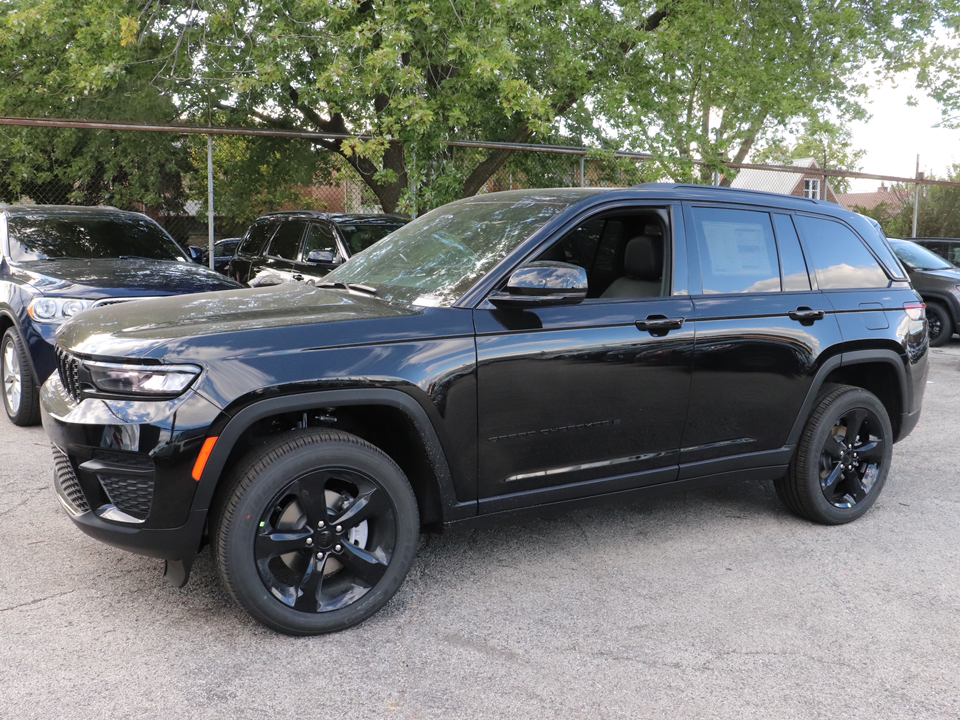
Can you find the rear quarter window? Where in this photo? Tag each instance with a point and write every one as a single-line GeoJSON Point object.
{"type": "Point", "coordinates": [840, 258]}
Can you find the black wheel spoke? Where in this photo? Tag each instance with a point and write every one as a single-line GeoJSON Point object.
{"type": "Point", "coordinates": [270, 544]}
{"type": "Point", "coordinates": [829, 483]}
{"type": "Point", "coordinates": [368, 567]}
{"type": "Point", "coordinates": [854, 422]}
{"type": "Point", "coordinates": [308, 599]}
{"type": "Point", "coordinates": [309, 493]}
{"type": "Point", "coordinates": [834, 446]}
{"type": "Point", "coordinates": [871, 451]}
{"type": "Point", "coordinates": [371, 502]}
{"type": "Point", "coordinates": [854, 486]}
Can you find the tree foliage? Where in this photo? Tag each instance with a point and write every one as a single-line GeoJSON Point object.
{"type": "Point", "coordinates": [678, 78]}
{"type": "Point", "coordinates": [829, 144]}
{"type": "Point", "coordinates": [938, 212]}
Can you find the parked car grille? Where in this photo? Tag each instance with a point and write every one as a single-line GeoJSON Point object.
{"type": "Point", "coordinates": [116, 300]}
{"type": "Point", "coordinates": [67, 485]}
{"type": "Point", "coordinates": [69, 369]}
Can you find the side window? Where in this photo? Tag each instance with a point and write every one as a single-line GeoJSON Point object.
{"type": "Point", "coordinates": [841, 259]}
{"type": "Point", "coordinates": [256, 238]}
{"type": "Point", "coordinates": [738, 252]}
{"type": "Point", "coordinates": [286, 242]}
{"type": "Point", "coordinates": [793, 268]}
{"type": "Point", "coordinates": [319, 237]}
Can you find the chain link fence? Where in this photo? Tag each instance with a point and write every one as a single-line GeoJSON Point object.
{"type": "Point", "coordinates": [164, 172]}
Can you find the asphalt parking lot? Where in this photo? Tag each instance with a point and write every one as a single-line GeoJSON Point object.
{"type": "Point", "coordinates": [709, 604]}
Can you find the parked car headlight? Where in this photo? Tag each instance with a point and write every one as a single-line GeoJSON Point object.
{"type": "Point", "coordinates": [56, 309]}
{"type": "Point", "coordinates": [115, 378]}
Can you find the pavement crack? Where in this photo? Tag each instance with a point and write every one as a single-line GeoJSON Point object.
{"type": "Point", "coordinates": [37, 601]}
{"type": "Point", "coordinates": [23, 502]}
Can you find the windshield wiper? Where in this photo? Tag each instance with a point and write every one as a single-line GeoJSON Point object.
{"type": "Point", "coordinates": [356, 287]}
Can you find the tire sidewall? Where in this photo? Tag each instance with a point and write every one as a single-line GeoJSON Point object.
{"type": "Point", "coordinates": [25, 414]}
{"type": "Point", "coordinates": [235, 537]}
{"type": "Point", "coordinates": [946, 325]}
{"type": "Point", "coordinates": [851, 399]}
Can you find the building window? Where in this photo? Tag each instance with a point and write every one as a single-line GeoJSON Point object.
{"type": "Point", "coordinates": [811, 188]}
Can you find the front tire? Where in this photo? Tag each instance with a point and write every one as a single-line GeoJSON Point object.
{"type": "Point", "coordinates": [940, 326]}
{"type": "Point", "coordinates": [316, 532]}
{"type": "Point", "coordinates": [21, 398]}
{"type": "Point", "coordinates": [842, 460]}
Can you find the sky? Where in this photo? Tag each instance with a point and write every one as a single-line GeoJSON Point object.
{"type": "Point", "coordinates": [896, 133]}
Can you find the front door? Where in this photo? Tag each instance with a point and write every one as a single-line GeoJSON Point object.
{"type": "Point", "coordinates": [590, 398]}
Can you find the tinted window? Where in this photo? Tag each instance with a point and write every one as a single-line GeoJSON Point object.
{"type": "Point", "coordinates": [36, 237]}
{"type": "Point", "coordinates": [841, 259]}
{"type": "Point", "coordinates": [360, 237]}
{"type": "Point", "coordinates": [224, 249]}
{"type": "Point", "coordinates": [319, 237]}
{"type": "Point", "coordinates": [256, 237]}
{"type": "Point", "coordinates": [793, 268]}
{"type": "Point", "coordinates": [286, 241]}
{"type": "Point", "coordinates": [738, 252]}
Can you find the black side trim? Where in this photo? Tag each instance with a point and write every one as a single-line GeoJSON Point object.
{"type": "Point", "coordinates": [450, 507]}
{"type": "Point", "coordinates": [577, 504]}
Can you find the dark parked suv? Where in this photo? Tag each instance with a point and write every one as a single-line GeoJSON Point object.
{"type": "Point", "coordinates": [938, 282]}
{"type": "Point", "coordinates": [58, 261]}
{"type": "Point", "coordinates": [304, 245]}
{"type": "Point", "coordinates": [511, 353]}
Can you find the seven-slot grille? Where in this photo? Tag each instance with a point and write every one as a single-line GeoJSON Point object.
{"type": "Point", "coordinates": [69, 369]}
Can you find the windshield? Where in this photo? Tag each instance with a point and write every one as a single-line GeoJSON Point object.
{"type": "Point", "coordinates": [920, 258]}
{"type": "Point", "coordinates": [39, 237]}
{"type": "Point", "coordinates": [360, 237]}
{"type": "Point", "coordinates": [439, 256]}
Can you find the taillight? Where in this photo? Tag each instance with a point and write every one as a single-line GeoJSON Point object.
{"type": "Point", "coordinates": [915, 310]}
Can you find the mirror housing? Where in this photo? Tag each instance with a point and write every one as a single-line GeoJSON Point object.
{"type": "Point", "coordinates": [196, 253]}
{"type": "Point", "coordinates": [322, 257]}
{"type": "Point", "coordinates": [542, 284]}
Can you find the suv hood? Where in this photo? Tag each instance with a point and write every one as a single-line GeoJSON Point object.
{"type": "Point", "coordinates": [104, 277]}
{"type": "Point", "coordinates": [203, 320]}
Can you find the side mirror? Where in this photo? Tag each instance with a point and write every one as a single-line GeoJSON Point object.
{"type": "Point", "coordinates": [196, 253]}
{"type": "Point", "coordinates": [541, 284]}
{"type": "Point", "coordinates": [322, 257]}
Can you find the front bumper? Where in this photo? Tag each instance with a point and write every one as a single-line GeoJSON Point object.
{"type": "Point", "coordinates": [123, 468]}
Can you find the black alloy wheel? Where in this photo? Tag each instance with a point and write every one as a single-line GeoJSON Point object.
{"type": "Point", "coordinates": [21, 396]}
{"type": "Point", "coordinates": [842, 461]}
{"type": "Point", "coordinates": [318, 532]}
{"type": "Point", "coordinates": [939, 325]}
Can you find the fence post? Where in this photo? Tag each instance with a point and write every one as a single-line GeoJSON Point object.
{"type": "Point", "coordinates": [583, 180]}
{"type": "Point", "coordinates": [916, 196]}
{"type": "Point", "coordinates": [210, 200]}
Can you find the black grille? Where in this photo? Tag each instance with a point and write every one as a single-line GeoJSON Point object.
{"type": "Point", "coordinates": [68, 487]}
{"type": "Point", "coordinates": [132, 495]}
{"type": "Point", "coordinates": [69, 369]}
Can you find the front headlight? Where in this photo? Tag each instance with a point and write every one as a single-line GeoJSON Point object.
{"type": "Point", "coordinates": [56, 309]}
{"type": "Point", "coordinates": [118, 379]}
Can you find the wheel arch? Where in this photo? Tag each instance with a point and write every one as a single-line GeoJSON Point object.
{"type": "Point", "coordinates": [879, 371]}
{"type": "Point", "coordinates": [412, 442]}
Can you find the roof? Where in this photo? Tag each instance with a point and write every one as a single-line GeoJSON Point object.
{"type": "Point", "coordinates": [64, 210]}
{"type": "Point", "coordinates": [773, 181]}
{"type": "Point", "coordinates": [870, 201]}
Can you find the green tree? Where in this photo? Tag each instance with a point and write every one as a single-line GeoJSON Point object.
{"type": "Point", "coordinates": [829, 144]}
{"type": "Point", "coordinates": [938, 213]}
{"type": "Point", "coordinates": [673, 77]}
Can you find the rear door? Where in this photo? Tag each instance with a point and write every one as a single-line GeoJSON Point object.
{"type": "Point", "coordinates": [760, 325]}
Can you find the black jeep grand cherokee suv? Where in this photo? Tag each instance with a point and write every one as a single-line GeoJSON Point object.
{"type": "Point", "coordinates": [513, 352]}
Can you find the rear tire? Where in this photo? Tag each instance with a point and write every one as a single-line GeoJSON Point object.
{"type": "Point", "coordinates": [315, 532]}
{"type": "Point", "coordinates": [940, 326]}
{"type": "Point", "coordinates": [21, 397]}
{"type": "Point", "coordinates": [842, 460]}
